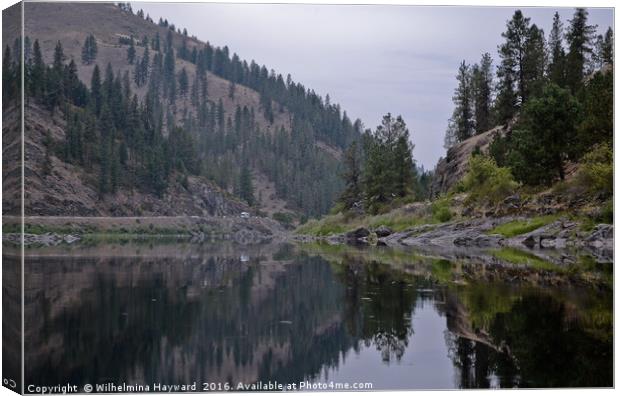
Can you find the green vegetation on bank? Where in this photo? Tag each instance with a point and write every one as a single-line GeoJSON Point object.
{"type": "Point", "coordinates": [399, 219]}
{"type": "Point", "coordinates": [486, 182]}
{"type": "Point", "coordinates": [519, 227]}
{"type": "Point", "coordinates": [520, 257]}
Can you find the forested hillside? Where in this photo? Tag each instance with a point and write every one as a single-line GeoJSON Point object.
{"type": "Point", "coordinates": [147, 107]}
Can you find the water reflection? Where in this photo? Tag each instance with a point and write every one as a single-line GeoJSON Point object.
{"type": "Point", "coordinates": [179, 314]}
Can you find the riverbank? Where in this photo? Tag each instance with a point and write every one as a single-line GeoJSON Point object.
{"type": "Point", "coordinates": [54, 230]}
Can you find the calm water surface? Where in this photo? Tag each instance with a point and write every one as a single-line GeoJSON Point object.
{"type": "Point", "coordinates": [175, 313]}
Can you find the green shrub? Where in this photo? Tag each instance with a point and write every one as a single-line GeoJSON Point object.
{"type": "Point", "coordinates": [396, 220]}
{"type": "Point", "coordinates": [441, 210]}
{"type": "Point", "coordinates": [328, 225]}
{"type": "Point", "coordinates": [284, 218]}
{"type": "Point", "coordinates": [486, 182]}
{"type": "Point", "coordinates": [597, 170]}
{"type": "Point", "coordinates": [607, 213]}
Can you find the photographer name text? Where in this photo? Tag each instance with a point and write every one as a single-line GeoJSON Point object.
{"type": "Point", "coordinates": [196, 386]}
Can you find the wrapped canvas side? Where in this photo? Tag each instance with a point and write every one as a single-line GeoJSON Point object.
{"type": "Point", "coordinates": [12, 198]}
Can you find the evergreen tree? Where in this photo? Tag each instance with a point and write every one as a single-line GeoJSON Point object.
{"type": "Point", "coordinates": [606, 52]}
{"type": "Point", "coordinates": [55, 87]}
{"type": "Point", "coordinates": [156, 42]}
{"type": "Point", "coordinates": [482, 85]}
{"type": "Point", "coordinates": [579, 37]}
{"type": "Point", "coordinates": [95, 89]}
{"type": "Point", "coordinates": [505, 105]}
{"type": "Point", "coordinates": [37, 71]}
{"type": "Point", "coordinates": [557, 64]}
{"type": "Point", "coordinates": [183, 82]}
{"type": "Point", "coordinates": [403, 163]}
{"type": "Point", "coordinates": [352, 177]}
{"type": "Point", "coordinates": [89, 50]}
{"type": "Point", "coordinates": [534, 62]}
{"type": "Point", "coordinates": [131, 52]}
{"type": "Point", "coordinates": [603, 50]}
{"type": "Point", "coordinates": [137, 73]}
{"type": "Point", "coordinates": [246, 188]}
{"type": "Point", "coordinates": [145, 65]}
{"type": "Point", "coordinates": [461, 125]}
{"type": "Point", "coordinates": [543, 138]}
{"type": "Point", "coordinates": [512, 54]}
{"type": "Point", "coordinates": [231, 90]}
{"type": "Point", "coordinates": [598, 104]}
{"type": "Point", "coordinates": [388, 169]}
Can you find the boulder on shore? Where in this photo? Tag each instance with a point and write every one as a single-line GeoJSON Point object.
{"type": "Point", "coordinates": [358, 233]}
{"type": "Point", "coordinates": [383, 231]}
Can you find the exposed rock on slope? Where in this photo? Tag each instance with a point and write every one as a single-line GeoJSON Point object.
{"type": "Point", "coordinates": [452, 168]}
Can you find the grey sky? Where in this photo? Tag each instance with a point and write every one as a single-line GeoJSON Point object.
{"type": "Point", "coordinates": [370, 59]}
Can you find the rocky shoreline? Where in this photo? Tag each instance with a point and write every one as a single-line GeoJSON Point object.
{"type": "Point", "coordinates": [560, 236]}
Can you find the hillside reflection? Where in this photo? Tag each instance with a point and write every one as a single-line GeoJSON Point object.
{"type": "Point", "coordinates": [216, 314]}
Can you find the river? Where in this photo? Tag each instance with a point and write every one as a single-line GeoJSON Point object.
{"type": "Point", "coordinates": [224, 316]}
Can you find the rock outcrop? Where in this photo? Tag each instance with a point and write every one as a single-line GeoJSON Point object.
{"type": "Point", "coordinates": [452, 168]}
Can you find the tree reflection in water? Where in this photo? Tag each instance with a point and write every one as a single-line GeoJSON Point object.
{"type": "Point", "coordinates": [378, 305]}
{"type": "Point", "coordinates": [288, 316]}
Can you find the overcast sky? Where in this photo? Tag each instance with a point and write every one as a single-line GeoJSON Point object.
{"type": "Point", "coordinates": [369, 59]}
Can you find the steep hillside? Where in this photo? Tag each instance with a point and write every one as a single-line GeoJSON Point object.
{"type": "Point", "coordinates": [237, 115]}
{"type": "Point", "coordinates": [65, 189]}
{"type": "Point", "coordinates": [72, 23]}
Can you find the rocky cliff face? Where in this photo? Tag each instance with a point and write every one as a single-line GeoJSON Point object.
{"type": "Point", "coordinates": [452, 168]}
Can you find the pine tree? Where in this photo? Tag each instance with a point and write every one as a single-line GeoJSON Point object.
{"type": "Point", "coordinates": [131, 52]}
{"type": "Point", "coordinates": [506, 103]}
{"type": "Point", "coordinates": [231, 90]}
{"type": "Point", "coordinates": [579, 37]}
{"type": "Point", "coordinates": [95, 89]}
{"type": "Point", "coordinates": [145, 65]}
{"type": "Point", "coordinates": [183, 82]}
{"type": "Point", "coordinates": [89, 50]}
{"type": "Point", "coordinates": [512, 53]}
{"type": "Point", "coordinates": [246, 188]}
{"type": "Point", "coordinates": [403, 163]}
{"type": "Point", "coordinates": [461, 125]}
{"type": "Point", "coordinates": [388, 169]}
{"type": "Point", "coordinates": [37, 71]}
{"type": "Point", "coordinates": [607, 49]}
{"type": "Point", "coordinates": [55, 87]}
{"type": "Point", "coordinates": [603, 50]}
{"type": "Point", "coordinates": [534, 62]}
{"type": "Point", "coordinates": [352, 177]}
{"type": "Point", "coordinates": [137, 73]}
{"type": "Point", "coordinates": [557, 63]}
{"type": "Point", "coordinates": [72, 84]}
{"type": "Point", "coordinates": [156, 42]}
{"type": "Point", "coordinates": [482, 84]}
{"type": "Point", "coordinates": [543, 137]}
